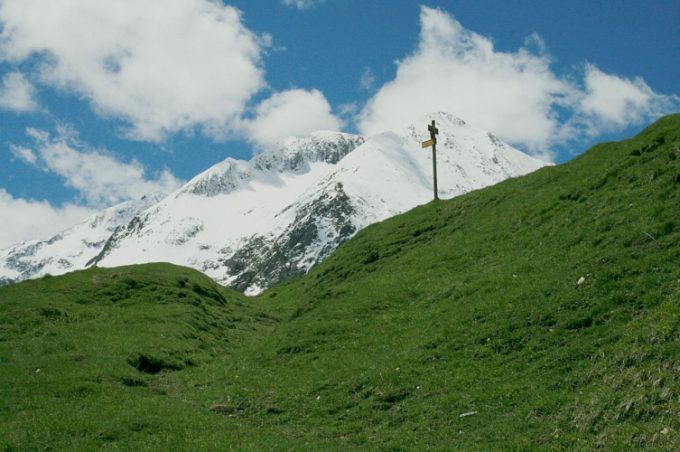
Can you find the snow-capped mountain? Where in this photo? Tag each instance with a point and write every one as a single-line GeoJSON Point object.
{"type": "Point", "coordinates": [251, 224]}
{"type": "Point", "coordinates": [70, 249]}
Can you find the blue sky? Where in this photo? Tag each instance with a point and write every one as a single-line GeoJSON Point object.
{"type": "Point", "coordinates": [103, 101]}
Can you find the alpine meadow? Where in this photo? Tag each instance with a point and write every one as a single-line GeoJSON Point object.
{"type": "Point", "coordinates": [540, 313]}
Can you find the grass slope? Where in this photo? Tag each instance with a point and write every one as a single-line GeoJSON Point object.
{"type": "Point", "coordinates": [102, 358]}
{"type": "Point", "coordinates": [459, 325]}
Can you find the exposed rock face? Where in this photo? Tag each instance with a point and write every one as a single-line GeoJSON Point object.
{"type": "Point", "coordinates": [318, 228]}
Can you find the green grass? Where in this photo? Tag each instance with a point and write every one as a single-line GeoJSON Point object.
{"type": "Point", "coordinates": [457, 307]}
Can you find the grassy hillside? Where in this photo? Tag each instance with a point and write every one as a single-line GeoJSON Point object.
{"type": "Point", "coordinates": [104, 357]}
{"type": "Point", "coordinates": [459, 325]}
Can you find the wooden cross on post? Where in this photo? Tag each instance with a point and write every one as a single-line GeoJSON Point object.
{"type": "Point", "coordinates": [434, 131]}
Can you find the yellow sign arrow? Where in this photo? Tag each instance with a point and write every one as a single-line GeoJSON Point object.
{"type": "Point", "coordinates": [427, 144]}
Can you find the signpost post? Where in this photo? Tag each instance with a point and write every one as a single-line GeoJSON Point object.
{"type": "Point", "coordinates": [434, 131]}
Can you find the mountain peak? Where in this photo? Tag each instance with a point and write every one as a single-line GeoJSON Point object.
{"type": "Point", "coordinates": [442, 118]}
{"type": "Point", "coordinates": [250, 224]}
{"type": "Point", "coordinates": [323, 145]}
{"type": "Point", "coordinates": [452, 129]}
{"type": "Point", "coordinates": [318, 136]}
{"type": "Point", "coordinates": [293, 155]}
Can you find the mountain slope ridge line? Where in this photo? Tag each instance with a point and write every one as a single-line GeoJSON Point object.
{"type": "Point", "coordinates": [251, 224]}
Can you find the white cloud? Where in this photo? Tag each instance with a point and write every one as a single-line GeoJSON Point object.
{"type": "Point", "coordinates": [294, 112]}
{"type": "Point", "coordinates": [515, 95]}
{"type": "Point", "coordinates": [24, 154]}
{"type": "Point", "coordinates": [27, 219]}
{"type": "Point", "coordinates": [458, 71]}
{"type": "Point", "coordinates": [302, 4]}
{"type": "Point", "coordinates": [101, 179]}
{"type": "Point", "coordinates": [161, 66]}
{"type": "Point", "coordinates": [611, 102]}
{"type": "Point", "coordinates": [17, 94]}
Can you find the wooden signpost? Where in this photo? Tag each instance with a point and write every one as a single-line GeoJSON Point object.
{"type": "Point", "coordinates": [434, 131]}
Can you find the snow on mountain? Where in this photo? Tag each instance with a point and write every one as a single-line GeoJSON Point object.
{"type": "Point", "coordinates": [251, 224]}
{"type": "Point", "coordinates": [389, 174]}
{"type": "Point", "coordinates": [71, 249]}
{"type": "Point", "coordinates": [212, 221]}
{"type": "Point", "coordinates": [294, 156]}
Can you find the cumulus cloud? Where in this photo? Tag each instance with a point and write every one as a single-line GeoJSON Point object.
{"type": "Point", "coordinates": [100, 178]}
{"type": "Point", "coordinates": [516, 95]}
{"type": "Point", "coordinates": [610, 102]}
{"type": "Point", "coordinates": [294, 112]}
{"type": "Point", "coordinates": [17, 94]}
{"type": "Point", "coordinates": [302, 4]}
{"type": "Point", "coordinates": [160, 66]}
{"type": "Point", "coordinates": [459, 71]}
{"type": "Point", "coordinates": [35, 219]}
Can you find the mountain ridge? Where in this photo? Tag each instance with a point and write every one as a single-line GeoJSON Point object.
{"type": "Point", "coordinates": [251, 224]}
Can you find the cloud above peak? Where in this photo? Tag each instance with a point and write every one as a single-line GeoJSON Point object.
{"type": "Point", "coordinates": [516, 95]}
{"type": "Point", "coordinates": [159, 68]}
{"type": "Point", "coordinates": [457, 70]}
{"type": "Point", "coordinates": [294, 112]}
